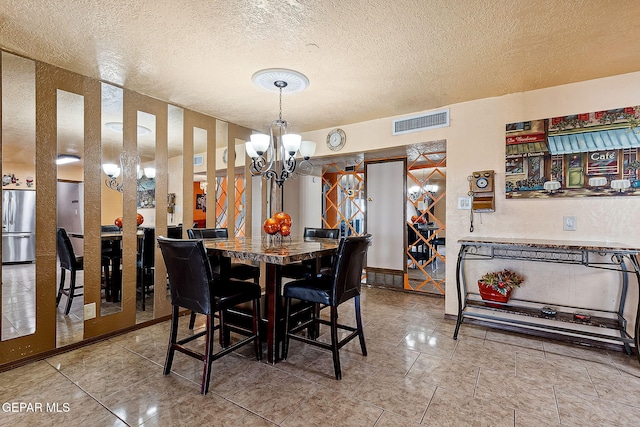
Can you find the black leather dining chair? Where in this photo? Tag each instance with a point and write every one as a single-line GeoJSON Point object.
{"type": "Point", "coordinates": [111, 254]}
{"type": "Point", "coordinates": [237, 270]}
{"type": "Point", "coordinates": [193, 286]}
{"type": "Point", "coordinates": [234, 270]}
{"type": "Point", "coordinates": [305, 269]}
{"type": "Point", "coordinates": [330, 291]}
{"type": "Point", "coordinates": [68, 261]}
{"type": "Point", "coordinates": [417, 252]}
{"type": "Point", "coordinates": [146, 264]}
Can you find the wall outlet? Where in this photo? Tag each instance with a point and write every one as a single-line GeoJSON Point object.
{"type": "Point", "coordinates": [569, 223]}
{"type": "Point", "coordinates": [90, 311]}
{"type": "Point", "coordinates": [464, 203]}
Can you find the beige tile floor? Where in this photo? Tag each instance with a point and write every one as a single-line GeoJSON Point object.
{"type": "Point", "coordinates": [415, 374]}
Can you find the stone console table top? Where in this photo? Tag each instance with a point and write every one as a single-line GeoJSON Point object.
{"type": "Point", "coordinates": [603, 246]}
{"type": "Point", "coordinates": [272, 250]}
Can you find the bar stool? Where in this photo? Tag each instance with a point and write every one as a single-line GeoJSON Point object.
{"type": "Point", "coordinates": [68, 261]}
{"type": "Point", "coordinates": [331, 291]}
{"type": "Point", "coordinates": [193, 286]}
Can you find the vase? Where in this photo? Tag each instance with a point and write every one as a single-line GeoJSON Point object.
{"type": "Point", "coordinates": [489, 294]}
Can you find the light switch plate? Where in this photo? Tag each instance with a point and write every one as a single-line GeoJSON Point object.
{"type": "Point", "coordinates": [464, 203]}
{"type": "Point", "coordinates": [569, 223]}
{"type": "Point", "coordinates": [90, 311]}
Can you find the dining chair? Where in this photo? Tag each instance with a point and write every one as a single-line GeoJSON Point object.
{"type": "Point", "coordinates": [331, 290]}
{"type": "Point", "coordinates": [307, 268]}
{"type": "Point", "coordinates": [146, 264]}
{"type": "Point", "coordinates": [234, 270]}
{"type": "Point", "coordinates": [68, 261]}
{"type": "Point", "coordinates": [417, 249]}
{"type": "Point", "coordinates": [237, 270]}
{"type": "Point", "coordinates": [110, 255]}
{"type": "Point", "coordinates": [193, 286]}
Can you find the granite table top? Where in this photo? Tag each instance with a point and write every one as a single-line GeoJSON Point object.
{"type": "Point", "coordinates": [272, 250]}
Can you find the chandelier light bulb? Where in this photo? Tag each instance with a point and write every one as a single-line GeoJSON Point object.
{"type": "Point", "coordinates": [291, 143]}
{"type": "Point", "coordinates": [248, 146]}
{"type": "Point", "coordinates": [111, 170]}
{"type": "Point", "coordinates": [307, 149]}
{"type": "Point", "coordinates": [260, 142]}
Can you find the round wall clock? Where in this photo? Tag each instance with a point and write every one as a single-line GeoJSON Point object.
{"type": "Point", "coordinates": [336, 139]}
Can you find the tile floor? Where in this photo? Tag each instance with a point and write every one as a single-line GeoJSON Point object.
{"type": "Point", "coordinates": [415, 374]}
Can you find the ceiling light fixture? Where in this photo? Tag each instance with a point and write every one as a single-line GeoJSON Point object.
{"type": "Point", "coordinates": [279, 147]}
{"type": "Point", "coordinates": [64, 159]}
{"type": "Point", "coordinates": [118, 126]}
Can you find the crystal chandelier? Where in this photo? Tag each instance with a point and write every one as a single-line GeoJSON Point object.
{"type": "Point", "coordinates": [274, 155]}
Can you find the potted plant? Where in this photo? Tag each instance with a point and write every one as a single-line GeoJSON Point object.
{"type": "Point", "coordinates": [497, 286]}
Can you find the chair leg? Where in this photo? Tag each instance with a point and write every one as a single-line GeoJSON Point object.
{"type": "Point", "coordinates": [334, 342]}
{"type": "Point", "coordinates": [173, 337]}
{"type": "Point", "coordinates": [287, 313]}
{"type": "Point", "coordinates": [61, 287]}
{"type": "Point", "coordinates": [72, 291]}
{"type": "Point", "coordinates": [192, 320]}
{"type": "Point", "coordinates": [225, 334]}
{"type": "Point", "coordinates": [208, 352]}
{"type": "Point", "coordinates": [256, 328]}
{"type": "Point", "coordinates": [363, 346]}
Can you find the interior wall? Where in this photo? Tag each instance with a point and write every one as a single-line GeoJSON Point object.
{"type": "Point", "coordinates": [476, 141]}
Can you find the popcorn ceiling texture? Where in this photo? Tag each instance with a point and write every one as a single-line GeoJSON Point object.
{"type": "Point", "coordinates": [365, 60]}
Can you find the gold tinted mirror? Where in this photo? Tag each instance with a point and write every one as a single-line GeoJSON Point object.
{"type": "Point", "coordinates": [70, 218]}
{"type": "Point", "coordinates": [18, 196]}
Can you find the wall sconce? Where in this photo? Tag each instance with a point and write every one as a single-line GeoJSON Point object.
{"type": "Point", "coordinates": [113, 171]}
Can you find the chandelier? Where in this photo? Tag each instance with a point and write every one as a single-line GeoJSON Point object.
{"type": "Point", "coordinates": [113, 171]}
{"type": "Point", "coordinates": [274, 155]}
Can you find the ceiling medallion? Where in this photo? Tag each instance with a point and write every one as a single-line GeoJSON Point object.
{"type": "Point", "coordinates": [268, 80]}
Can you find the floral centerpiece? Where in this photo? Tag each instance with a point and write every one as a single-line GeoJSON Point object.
{"type": "Point", "coordinates": [497, 285]}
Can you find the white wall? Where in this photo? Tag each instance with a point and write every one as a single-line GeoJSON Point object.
{"type": "Point", "coordinates": [476, 141]}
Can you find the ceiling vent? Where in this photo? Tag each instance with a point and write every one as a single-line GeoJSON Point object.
{"type": "Point", "coordinates": [437, 119]}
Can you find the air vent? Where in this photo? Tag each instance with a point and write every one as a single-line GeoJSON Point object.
{"type": "Point", "coordinates": [433, 120]}
{"type": "Point", "coordinates": [198, 160]}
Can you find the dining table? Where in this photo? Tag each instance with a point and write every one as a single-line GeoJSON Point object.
{"type": "Point", "coordinates": [114, 284]}
{"type": "Point", "coordinates": [274, 252]}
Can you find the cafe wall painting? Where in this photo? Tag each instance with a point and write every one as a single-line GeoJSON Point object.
{"type": "Point", "coordinates": [582, 155]}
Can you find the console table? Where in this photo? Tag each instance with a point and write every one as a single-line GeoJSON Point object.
{"type": "Point", "coordinates": [528, 314]}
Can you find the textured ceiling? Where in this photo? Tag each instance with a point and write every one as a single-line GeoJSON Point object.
{"type": "Point", "coordinates": [364, 59]}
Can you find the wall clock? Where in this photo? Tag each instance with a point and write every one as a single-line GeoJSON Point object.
{"type": "Point", "coordinates": [336, 139]}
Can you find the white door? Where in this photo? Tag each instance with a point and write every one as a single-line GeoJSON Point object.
{"type": "Point", "coordinates": [385, 214]}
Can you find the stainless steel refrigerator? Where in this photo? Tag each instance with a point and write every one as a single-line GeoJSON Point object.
{"type": "Point", "coordinates": [18, 226]}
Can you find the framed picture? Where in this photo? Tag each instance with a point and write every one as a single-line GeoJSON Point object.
{"type": "Point", "coordinates": [201, 202]}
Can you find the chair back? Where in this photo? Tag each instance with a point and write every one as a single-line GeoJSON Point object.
{"type": "Point", "coordinates": [65, 250]}
{"type": "Point", "coordinates": [190, 277]}
{"type": "Point", "coordinates": [321, 233]}
{"type": "Point", "coordinates": [208, 233]}
{"type": "Point", "coordinates": [347, 267]}
{"type": "Point", "coordinates": [147, 255]}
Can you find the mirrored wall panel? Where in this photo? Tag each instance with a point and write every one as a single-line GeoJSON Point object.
{"type": "Point", "coordinates": [70, 219]}
{"type": "Point", "coordinates": [111, 195]}
{"type": "Point", "coordinates": [18, 196]}
{"type": "Point", "coordinates": [146, 218]}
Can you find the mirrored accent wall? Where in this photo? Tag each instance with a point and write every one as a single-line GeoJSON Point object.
{"type": "Point", "coordinates": [129, 173]}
